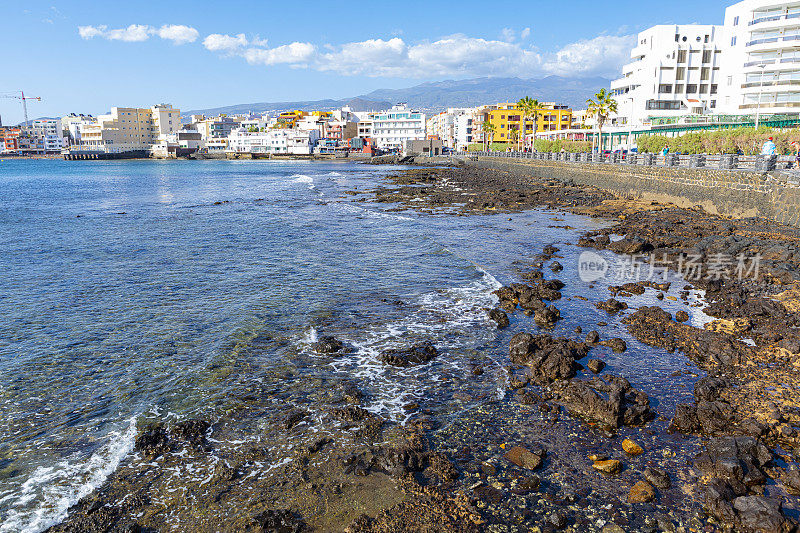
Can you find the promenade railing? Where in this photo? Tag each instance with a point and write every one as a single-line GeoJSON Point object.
{"type": "Point", "coordinates": [758, 163]}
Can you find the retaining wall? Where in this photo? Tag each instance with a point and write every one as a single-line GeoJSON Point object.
{"type": "Point", "coordinates": [737, 194]}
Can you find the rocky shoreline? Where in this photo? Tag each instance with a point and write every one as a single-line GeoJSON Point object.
{"type": "Point", "coordinates": [576, 449]}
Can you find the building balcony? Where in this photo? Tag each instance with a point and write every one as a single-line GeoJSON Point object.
{"type": "Point", "coordinates": [770, 84]}
{"type": "Point", "coordinates": [763, 21]}
{"type": "Point", "coordinates": [774, 42]}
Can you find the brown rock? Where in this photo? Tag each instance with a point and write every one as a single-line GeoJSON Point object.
{"type": "Point", "coordinates": [631, 448]}
{"type": "Point", "coordinates": [525, 459]}
{"type": "Point", "coordinates": [608, 466]}
{"type": "Point", "coordinates": [642, 492]}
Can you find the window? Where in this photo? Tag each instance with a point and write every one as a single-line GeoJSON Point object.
{"type": "Point", "coordinates": [730, 81]}
{"type": "Point", "coordinates": [733, 41]}
{"type": "Point", "coordinates": [706, 39]}
{"type": "Point", "coordinates": [704, 88]}
{"type": "Point", "coordinates": [691, 88]}
{"type": "Point", "coordinates": [705, 74]}
{"type": "Point", "coordinates": [735, 21]}
{"type": "Point", "coordinates": [713, 88]}
{"type": "Point", "coordinates": [679, 89]}
{"type": "Point", "coordinates": [706, 56]}
{"type": "Point", "coordinates": [680, 74]}
{"type": "Point", "coordinates": [677, 38]}
{"type": "Point", "coordinates": [713, 104]}
{"type": "Point", "coordinates": [682, 55]}
{"type": "Point", "coordinates": [663, 105]}
{"type": "Point", "coordinates": [665, 88]}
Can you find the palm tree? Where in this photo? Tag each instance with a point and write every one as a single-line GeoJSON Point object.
{"type": "Point", "coordinates": [529, 108]}
{"type": "Point", "coordinates": [513, 135]}
{"type": "Point", "coordinates": [601, 108]}
{"type": "Point", "coordinates": [488, 133]}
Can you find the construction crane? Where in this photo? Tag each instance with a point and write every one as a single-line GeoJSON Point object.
{"type": "Point", "coordinates": [21, 96]}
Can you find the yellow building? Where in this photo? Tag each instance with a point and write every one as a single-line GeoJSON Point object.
{"type": "Point", "coordinates": [507, 119]}
{"type": "Point", "coordinates": [288, 119]}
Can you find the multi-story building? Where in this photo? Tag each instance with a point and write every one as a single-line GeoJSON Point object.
{"type": "Point", "coordinates": [9, 139]}
{"type": "Point", "coordinates": [365, 128]}
{"type": "Point", "coordinates": [130, 129]}
{"type": "Point", "coordinates": [507, 121]}
{"type": "Point", "coordinates": [675, 70]}
{"type": "Point", "coordinates": [763, 60]}
{"type": "Point", "coordinates": [274, 141]}
{"type": "Point", "coordinates": [453, 127]}
{"type": "Point", "coordinates": [71, 127]}
{"type": "Point", "coordinates": [214, 128]}
{"type": "Point", "coordinates": [46, 135]}
{"type": "Point", "coordinates": [391, 129]}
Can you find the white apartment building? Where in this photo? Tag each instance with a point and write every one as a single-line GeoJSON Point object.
{"type": "Point", "coordinates": [214, 127]}
{"type": "Point", "coordinates": [274, 141]}
{"type": "Point", "coordinates": [391, 129]}
{"type": "Point", "coordinates": [453, 127]}
{"type": "Point", "coordinates": [129, 129]}
{"type": "Point", "coordinates": [71, 127]}
{"type": "Point", "coordinates": [675, 70]}
{"type": "Point", "coordinates": [365, 128]}
{"type": "Point", "coordinates": [46, 133]}
{"type": "Point", "coordinates": [763, 64]}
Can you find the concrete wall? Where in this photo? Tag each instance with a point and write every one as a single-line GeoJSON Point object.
{"type": "Point", "coordinates": [736, 193]}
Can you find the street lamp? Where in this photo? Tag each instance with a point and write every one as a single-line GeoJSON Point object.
{"type": "Point", "coordinates": [762, 66]}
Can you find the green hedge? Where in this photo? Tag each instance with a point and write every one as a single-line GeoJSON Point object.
{"type": "Point", "coordinates": [543, 145]}
{"type": "Point", "coordinates": [731, 141]}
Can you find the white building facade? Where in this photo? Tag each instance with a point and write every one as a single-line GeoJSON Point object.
{"type": "Point", "coordinates": [763, 66]}
{"type": "Point", "coordinates": [130, 129]}
{"type": "Point", "coordinates": [275, 141]}
{"type": "Point", "coordinates": [391, 129]}
{"type": "Point", "coordinates": [675, 70]}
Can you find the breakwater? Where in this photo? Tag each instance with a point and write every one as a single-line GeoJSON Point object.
{"type": "Point", "coordinates": [732, 193]}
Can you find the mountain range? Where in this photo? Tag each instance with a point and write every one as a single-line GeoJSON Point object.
{"type": "Point", "coordinates": [433, 97]}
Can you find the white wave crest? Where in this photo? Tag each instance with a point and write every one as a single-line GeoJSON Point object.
{"type": "Point", "coordinates": [57, 488]}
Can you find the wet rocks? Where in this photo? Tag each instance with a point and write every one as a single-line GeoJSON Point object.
{"type": "Point", "coordinates": [617, 345]}
{"type": "Point", "coordinates": [525, 458]}
{"type": "Point", "coordinates": [328, 345]}
{"type": "Point", "coordinates": [547, 317]}
{"type": "Point", "coordinates": [641, 492]}
{"type": "Point", "coordinates": [595, 365]}
{"type": "Point", "coordinates": [654, 326]}
{"type": "Point", "coordinates": [559, 519]}
{"type": "Point", "coordinates": [351, 413]}
{"type": "Point", "coordinates": [500, 317]}
{"type": "Point", "coordinates": [190, 431]}
{"type": "Point", "coordinates": [152, 441]}
{"type": "Point", "coordinates": [555, 266]}
{"type": "Point", "coordinates": [592, 337]}
{"type": "Point", "coordinates": [791, 481]}
{"type": "Point", "coordinates": [416, 355]}
{"type": "Point", "coordinates": [293, 418]}
{"type": "Point", "coordinates": [278, 521]}
{"type": "Point", "coordinates": [710, 418]}
{"type": "Point", "coordinates": [608, 466]}
{"type": "Point", "coordinates": [611, 306]}
{"type": "Point", "coordinates": [682, 316]}
{"type": "Point", "coordinates": [657, 477]}
{"type": "Point", "coordinates": [611, 403]}
{"type": "Point", "coordinates": [548, 358]}
{"type": "Point", "coordinates": [737, 461]}
{"type": "Point", "coordinates": [631, 448]}
{"type": "Point", "coordinates": [759, 513]}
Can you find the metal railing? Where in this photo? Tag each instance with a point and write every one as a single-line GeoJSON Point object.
{"type": "Point", "coordinates": [757, 163]}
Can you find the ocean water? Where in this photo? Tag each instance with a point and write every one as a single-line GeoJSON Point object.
{"type": "Point", "coordinates": [134, 291]}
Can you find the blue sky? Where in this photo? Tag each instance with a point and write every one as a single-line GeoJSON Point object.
{"type": "Point", "coordinates": [86, 57]}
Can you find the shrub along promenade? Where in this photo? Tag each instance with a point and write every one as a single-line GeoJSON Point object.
{"type": "Point", "coordinates": [729, 185]}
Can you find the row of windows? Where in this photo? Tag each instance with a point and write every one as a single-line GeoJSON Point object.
{"type": "Point", "coordinates": [690, 88]}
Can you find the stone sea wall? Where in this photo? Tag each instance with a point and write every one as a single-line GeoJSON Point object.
{"type": "Point", "coordinates": [737, 194]}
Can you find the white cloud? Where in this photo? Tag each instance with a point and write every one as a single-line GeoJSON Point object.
{"type": "Point", "coordinates": [178, 33]}
{"type": "Point", "coordinates": [224, 43]}
{"type": "Point", "coordinates": [294, 54]}
{"type": "Point", "coordinates": [603, 55]}
{"type": "Point", "coordinates": [525, 34]}
{"type": "Point", "coordinates": [131, 34]}
{"type": "Point", "coordinates": [508, 35]}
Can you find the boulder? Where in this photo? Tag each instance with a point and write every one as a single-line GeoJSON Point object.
{"type": "Point", "coordinates": [500, 317]}
{"type": "Point", "coordinates": [641, 492]}
{"type": "Point", "coordinates": [657, 477]}
{"type": "Point", "coordinates": [525, 458]}
{"type": "Point", "coordinates": [328, 345]}
{"type": "Point", "coordinates": [549, 359]}
{"type": "Point", "coordinates": [595, 365]}
{"type": "Point", "coordinates": [631, 448]}
{"type": "Point", "coordinates": [608, 466]}
{"type": "Point", "coordinates": [416, 355]}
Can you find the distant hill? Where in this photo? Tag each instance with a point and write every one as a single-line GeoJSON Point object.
{"type": "Point", "coordinates": [433, 97]}
{"type": "Point", "coordinates": [356, 104]}
{"type": "Point", "coordinates": [436, 96]}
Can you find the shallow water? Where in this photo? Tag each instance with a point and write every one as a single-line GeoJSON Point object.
{"type": "Point", "coordinates": [145, 290]}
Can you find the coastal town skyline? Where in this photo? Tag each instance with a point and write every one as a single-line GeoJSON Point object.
{"type": "Point", "coordinates": [199, 58]}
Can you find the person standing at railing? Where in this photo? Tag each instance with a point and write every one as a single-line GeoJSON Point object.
{"type": "Point", "coordinates": [769, 147]}
{"type": "Point", "coordinates": [796, 147]}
